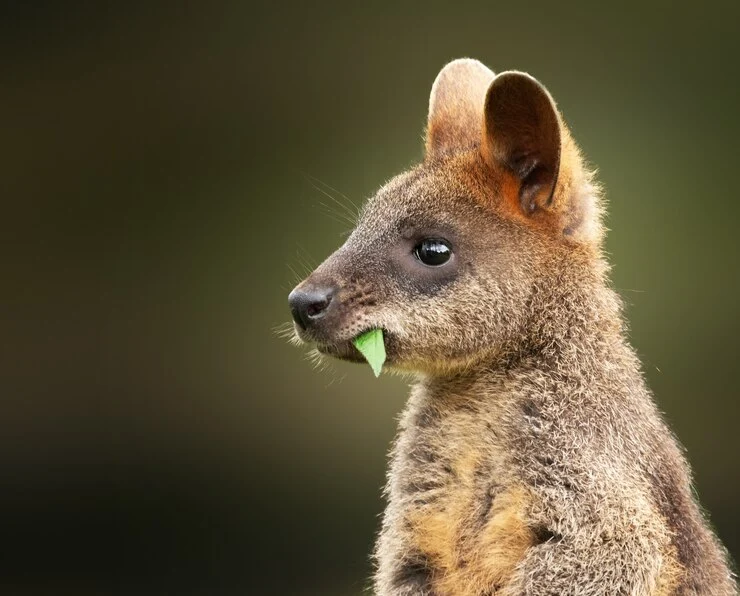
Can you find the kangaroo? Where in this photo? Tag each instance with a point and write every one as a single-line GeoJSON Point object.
{"type": "Point", "coordinates": [531, 458]}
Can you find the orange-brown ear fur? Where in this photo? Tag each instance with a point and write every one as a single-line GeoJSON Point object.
{"type": "Point", "coordinates": [456, 107]}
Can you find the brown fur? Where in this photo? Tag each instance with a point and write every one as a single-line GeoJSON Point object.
{"type": "Point", "coordinates": [530, 458]}
{"type": "Point", "coordinates": [672, 574]}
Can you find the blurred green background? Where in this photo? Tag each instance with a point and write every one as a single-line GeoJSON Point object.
{"type": "Point", "coordinates": [156, 174]}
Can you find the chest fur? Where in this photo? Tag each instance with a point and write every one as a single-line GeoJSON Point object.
{"type": "Point", "coordinates": [462, 507]}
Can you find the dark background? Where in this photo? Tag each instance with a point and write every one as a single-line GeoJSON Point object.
{"type": "Point", "coordinates": [157, 165]}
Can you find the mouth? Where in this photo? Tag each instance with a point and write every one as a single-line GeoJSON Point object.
{"type": "Point", "coordinates": [346, 350]}
{"type": "Point", "coordinates": [343, 351]}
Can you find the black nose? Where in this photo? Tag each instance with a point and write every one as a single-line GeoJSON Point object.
{"type": "Point", "coordinates": [309, 305]}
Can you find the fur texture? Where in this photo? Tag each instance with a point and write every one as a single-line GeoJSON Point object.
{"type": "Point", "coordinates": [530, 458]}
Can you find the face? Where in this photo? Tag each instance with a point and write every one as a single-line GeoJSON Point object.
{"type": "Point", "coordinates": [432, 265]}
{"type": "Point", "coordinates": [451, 258]}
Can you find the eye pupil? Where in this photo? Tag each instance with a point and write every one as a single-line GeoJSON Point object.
{"type": "Point", "coordinates": [433, 252]}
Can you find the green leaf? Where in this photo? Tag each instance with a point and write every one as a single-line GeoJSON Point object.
{"type": "Point", "coordinates": [371, 346]}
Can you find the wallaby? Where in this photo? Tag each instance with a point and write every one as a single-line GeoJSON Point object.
{"type": "Point", "coordinates": [530, 458]}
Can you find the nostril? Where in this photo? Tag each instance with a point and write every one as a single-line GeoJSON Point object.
{"type": "Point", "coordinates": [316, 309]}
{"type": "Point", "coordinates": [309, 305]}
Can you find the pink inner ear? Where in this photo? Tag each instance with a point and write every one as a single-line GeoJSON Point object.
{"type": "Point", "coordinates": [456, 107]}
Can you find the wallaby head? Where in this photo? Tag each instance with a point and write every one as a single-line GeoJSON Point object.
{"type": "Point", "coordinates": [449, 258]}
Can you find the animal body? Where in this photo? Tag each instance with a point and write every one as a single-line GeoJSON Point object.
{"type": "Point", "coordinates": [530, 458]}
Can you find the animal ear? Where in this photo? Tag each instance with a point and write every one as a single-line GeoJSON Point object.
{"type": "Point", "coordinates": [456, 107]}
{"type": "Point", "coordinates": [522, 138]}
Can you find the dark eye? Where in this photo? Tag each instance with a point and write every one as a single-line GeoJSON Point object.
{"type": "Point", "coordinates": [433, 251]}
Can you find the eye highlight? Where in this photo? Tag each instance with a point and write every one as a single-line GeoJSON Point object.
{"type": "Point", "coordinates": [433, 251]}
